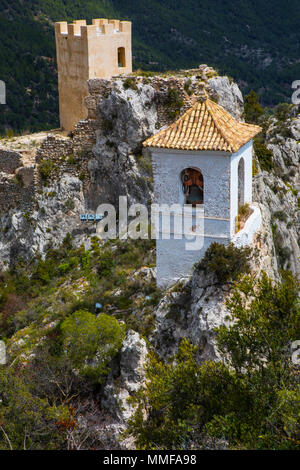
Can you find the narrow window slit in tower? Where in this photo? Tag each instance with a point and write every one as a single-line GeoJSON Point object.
{"type": "Point", "coordinates": [121, 57]}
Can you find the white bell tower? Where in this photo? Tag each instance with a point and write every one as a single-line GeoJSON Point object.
{"type": "Point", "coordinates": [201, 163]}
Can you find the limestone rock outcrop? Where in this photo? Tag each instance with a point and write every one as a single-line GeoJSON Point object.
{"type": "Point", "coordinates": [121, 384]}
{"type": "Point", "coordinates": [102, 160]}
{"type": "Point", "coordinates": [98, 162]}
{"type": "Point", "coordinates": [228, 95]}
{"type": "Point", "coordinates": [278, 191]}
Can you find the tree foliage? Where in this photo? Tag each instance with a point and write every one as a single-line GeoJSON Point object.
{"type": "Point", "coordinates": [264, 155]}
{"type": "Point", "coordinates": [26, 420]}
{"type": "Point", "coordinates": [250, 400]}
{"type": "Point", "coordinates": [52, 376]}
{"type": "Point", "coordinates": [226, 263]}
{"type": "Point", "coordinates": [167, 35]}
{"type": "Point", "coordinates": [252, 109]}
{"type": "Point", "coordinates": [91, 342]}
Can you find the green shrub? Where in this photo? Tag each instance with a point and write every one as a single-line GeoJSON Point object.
{"type": "Point", "coordinates": [254, 167]}
{"type": "Point", "coordinates": [227, 263]}
{"type": "Point", "coordinates": [252, 109]}
{"type": "Point", "coordinates": [264, 155]}
{"type": "Point", "coordinates": [46, 169]}
{"type": "Point", "coordinates": [144, 73]}
{"type": "Point", "coordinates": [105, 263]}
{"type": "Point", "coordinates": [51, 194]}
{"type": "Point", "coordinates": [28, 422]}
{"type": "Point", "coordinates": [145, 163]}
{"type": "Point", "coordinates": [70, 204]}
{"type": "Point", "coordinates": [244, 212]}
{"type": "Point", "coordinates": [9, 133]}
{"type": "Point", "coordinates": [280, 215]}
{"type": "Point", "coordinates": [91, 342]}
{"type": "Point", "coordinates": [188, 87]}
{"type": "Point", "coordinates": [44, 271]}
{"type": "Point", "coordinates": [294, 191]}
{"type": "Point", "coordinates": [71, 159]}
{"type": "Point", "coordinates": [26, 215]}
{"type": "Point", "coordinates": [81, 176]}
{"type": "Point", "coordinates": [282, 114]}
{"type": "Point", "coordinates": [130, 83]}
{"type": "Point", "coordinates": [85, 259]}
{"type": "Point", "coordinates": [68, 265]}
{"type": "Point", "coordinates": [174, 103]}
{"type": "Point", "coordinates": [250, 400]}
{"type": "Point", "coordinates": [282, 111]}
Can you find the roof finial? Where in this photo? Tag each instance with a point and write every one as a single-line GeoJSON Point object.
{"type": "Point", "coordinates": [203, 95]}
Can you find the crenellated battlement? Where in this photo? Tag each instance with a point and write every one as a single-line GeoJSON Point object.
{"type": "Point", "coordinates": [98, 28]}
{"type": "Point", "coordinates": [99, 50]}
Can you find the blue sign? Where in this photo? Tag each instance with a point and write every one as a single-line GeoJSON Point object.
{"type": "Point", "coordinates": [92, 217]}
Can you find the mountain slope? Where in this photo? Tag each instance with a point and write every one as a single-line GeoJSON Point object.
{"type": "Point", "coordinates": [56, 392]}
{"type": "Point", "coordinates": [255, 42]}
{"type": "Point", "coordinates": [27, 58]}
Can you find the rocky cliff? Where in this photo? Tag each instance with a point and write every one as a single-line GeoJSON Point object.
{"type": "Point", "coordinates": [48, 180]}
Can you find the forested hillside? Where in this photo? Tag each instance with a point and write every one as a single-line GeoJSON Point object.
{"type": "Point", "coordinates": [93, 355]}
{"type": "Point", "coordinates": [256, 42]}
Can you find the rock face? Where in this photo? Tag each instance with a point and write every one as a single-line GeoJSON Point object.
{"type": "Point", "coordinates": [130, 378]}
{"type": "Point", "coordinates": [278, 190]}
{"type": "Point", "coordinates": [133, 113]}
{"type": "Point", "coordinates": [103, 160]}
{"type": "Point", "coordinates": [128, 117]}
{"type": "Point", "coordinates": [56, 213]}
{"type": "Point", "coordinates": [193, 309]}
{"type": "Point", "coordinates": [100, 161]}
{"type": "Point", "coordinates": [228, 94]}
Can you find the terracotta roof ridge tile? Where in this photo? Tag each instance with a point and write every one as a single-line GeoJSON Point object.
{"type": "Point", "coordinates": [204, 126]}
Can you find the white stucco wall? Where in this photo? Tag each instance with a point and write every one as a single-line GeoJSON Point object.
{"type": "Point", "coordinates": [174, 262]}
{"type": "Point", "coordinates": [245, 236]}
{"type": "Point", "coordinates": [215, 167]}
{"type": "Point", "coordinates": [220, 175]}
{"type": "Point", "coordinates": [173, 259]}
{"type": "Point", "coordinates": [246, 153]}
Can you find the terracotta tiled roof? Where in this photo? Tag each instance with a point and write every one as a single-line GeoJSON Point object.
{"type": "Point", "coordinates": [205, 126]}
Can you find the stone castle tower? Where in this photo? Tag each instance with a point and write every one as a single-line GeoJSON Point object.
{"type": "Point", "coordinates": [100, 50]}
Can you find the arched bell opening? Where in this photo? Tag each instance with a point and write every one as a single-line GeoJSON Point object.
{"type": "Point", "coordinates": [192, 186]}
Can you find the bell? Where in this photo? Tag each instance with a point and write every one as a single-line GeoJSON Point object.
{"type": "Point", "coordinates": [195, 196]}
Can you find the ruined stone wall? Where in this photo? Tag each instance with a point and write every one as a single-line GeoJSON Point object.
{"type": "Point", "coordinates": [97, 162]}
{"type": "Point", "coordinates": [173, 94]}
{"type": "Point", "coordinates": [82, 139]}
{"type": "Point", "coordinates": [17, 187]}
{"type": "Point", "coordinates": [14, 194]}
{"type": "Point", "coordinates": [20, 179]}
{"type": "Point", "coordinates": [68, 154]}
{"type": "Point", "coordinates": [9, 161]}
